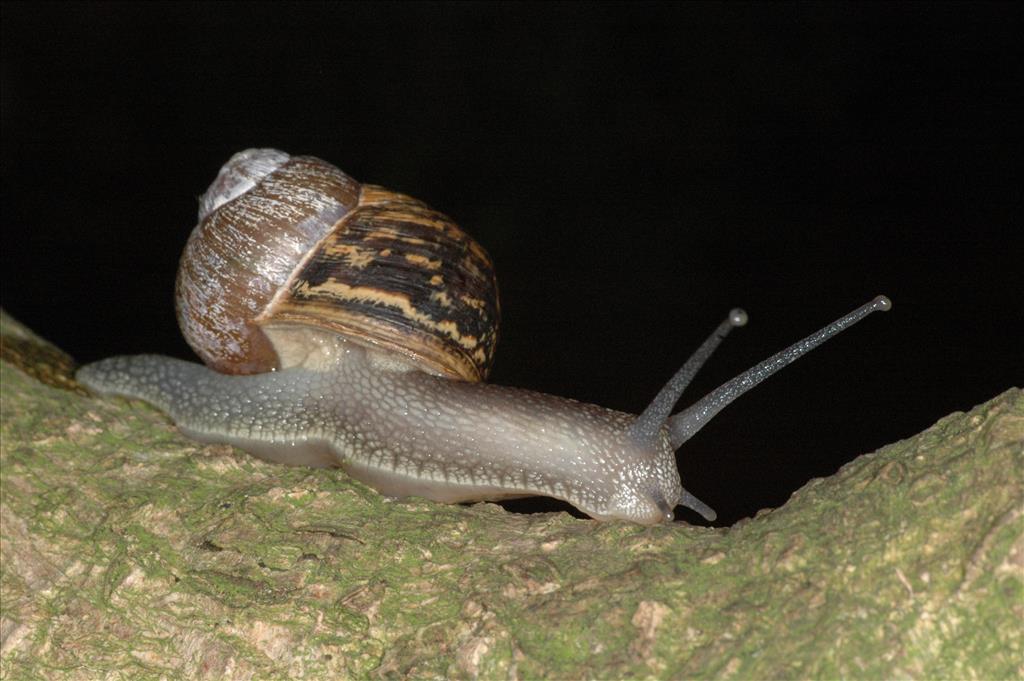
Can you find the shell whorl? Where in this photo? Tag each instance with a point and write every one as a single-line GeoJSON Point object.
{"type": "Point", "coordinates": [293, 241]}
{"type": "Point", "coordinates": [242, 172]}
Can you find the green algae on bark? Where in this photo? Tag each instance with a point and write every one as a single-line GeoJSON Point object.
{"type": "Point", "coordinates": [129, 551]}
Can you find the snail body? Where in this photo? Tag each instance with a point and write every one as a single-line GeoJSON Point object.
{"type": "Point", "coordinates": [409, 433]}
{"type": "Point", "coordinates": [346, 325]}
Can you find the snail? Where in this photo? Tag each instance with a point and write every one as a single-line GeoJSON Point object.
{"type": "Point", "coordinates": [343, 324]}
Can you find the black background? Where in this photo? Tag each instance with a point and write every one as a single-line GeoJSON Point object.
{"type": "Point", "coordinates": [635, 170]}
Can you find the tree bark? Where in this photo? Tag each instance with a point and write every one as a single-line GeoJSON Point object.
{"type": "Point", "coordinates": [128, 551]}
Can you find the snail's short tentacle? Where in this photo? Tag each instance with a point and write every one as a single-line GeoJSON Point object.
{"type": "Point", "coordinates": [690, 501]}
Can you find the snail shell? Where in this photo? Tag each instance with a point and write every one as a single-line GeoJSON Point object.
{"type": "Point", "coordinates": [286, 242]}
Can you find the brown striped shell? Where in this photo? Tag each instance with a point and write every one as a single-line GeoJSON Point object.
{"type": "Point", "coordinates": [285, 241]}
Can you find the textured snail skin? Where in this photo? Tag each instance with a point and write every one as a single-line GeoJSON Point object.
{"type": "Point", "coordinates": [408, 433]}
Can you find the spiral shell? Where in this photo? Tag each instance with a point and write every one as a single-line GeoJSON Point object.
{"type": "Point", "coordinates": [294, 242]}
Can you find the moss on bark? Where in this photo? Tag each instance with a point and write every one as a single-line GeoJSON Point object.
{"type": "Point", "coordinates": [130, 552]}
